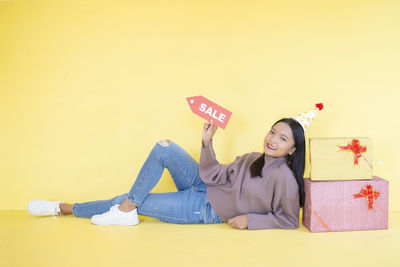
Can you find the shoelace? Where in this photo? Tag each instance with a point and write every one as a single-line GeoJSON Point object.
{"type": "Point", "coordinates": [55, 212]}
{"type": "Point", "coordinates": [114, 207]}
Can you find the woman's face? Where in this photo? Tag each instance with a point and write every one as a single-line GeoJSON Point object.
{"type": "Point", "coordinates": [279, 142]}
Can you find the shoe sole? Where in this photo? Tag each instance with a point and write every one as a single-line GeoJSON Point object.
{"type": "Point", "coordinates": [127, 224]}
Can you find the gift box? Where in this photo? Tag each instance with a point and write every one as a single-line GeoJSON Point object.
{"type": "Point", "coordinates": [341, 158]}
{"type": "Point", "coordinates": [346, 205]}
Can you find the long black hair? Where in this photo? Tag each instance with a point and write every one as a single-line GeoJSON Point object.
{"type": "Point", "coordinates": [296, 161]}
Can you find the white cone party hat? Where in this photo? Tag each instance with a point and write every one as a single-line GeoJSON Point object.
{"type": "Point", "coordinates": [305, 118]}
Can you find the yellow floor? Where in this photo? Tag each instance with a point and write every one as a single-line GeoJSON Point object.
{"type": "Point", "coordinates": [26, 240]}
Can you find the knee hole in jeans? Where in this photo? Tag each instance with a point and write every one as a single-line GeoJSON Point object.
{"type": "Point", "coordinates": [165, 142]}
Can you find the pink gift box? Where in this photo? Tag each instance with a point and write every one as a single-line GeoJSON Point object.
{"type": "Point", "coordinates": [331, 205]}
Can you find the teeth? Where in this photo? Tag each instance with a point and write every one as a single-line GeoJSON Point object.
{"type": "Point", "coordinates": [270, 146]}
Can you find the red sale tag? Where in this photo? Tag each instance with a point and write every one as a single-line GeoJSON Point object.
{"type": "Point", "coordinates": [209, 110]}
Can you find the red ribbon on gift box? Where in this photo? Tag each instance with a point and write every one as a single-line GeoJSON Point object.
{"type": "Point", "coordinates": [357, 150]}
{"type": "Point", "coordinates": [369, 193]}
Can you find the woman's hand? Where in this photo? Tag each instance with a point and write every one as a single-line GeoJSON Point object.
{"type": "Point", "coordinates": [209, 130]}
{"type": "Point", "coordinates": [239, 222]}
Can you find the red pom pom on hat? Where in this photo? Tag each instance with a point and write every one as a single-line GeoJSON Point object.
{"type": "Point", "coordinates": [319, 106]}
{"type": "Point", "coordinates": [305, 118]}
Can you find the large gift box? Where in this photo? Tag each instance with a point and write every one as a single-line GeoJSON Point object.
{"type": "Point", "coordinates": [341, 158]}
{"type": "Point", "coordinates": [346, 205]}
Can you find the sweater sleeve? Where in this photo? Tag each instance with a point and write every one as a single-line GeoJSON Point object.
{"type": "Point", "coordinates": [285, 207]}
{"type": "Point", "coordinates": [211, 171]}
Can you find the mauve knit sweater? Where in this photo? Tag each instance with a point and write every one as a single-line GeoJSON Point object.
{"type": "Point", "coordinates": [270, 201]}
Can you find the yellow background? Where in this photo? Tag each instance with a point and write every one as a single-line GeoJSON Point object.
{"type": "Point", "coordinates": [88, 87]}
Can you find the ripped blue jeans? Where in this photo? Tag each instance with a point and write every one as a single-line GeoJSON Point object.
{"type": "Point", "coordinates": [189, 205]}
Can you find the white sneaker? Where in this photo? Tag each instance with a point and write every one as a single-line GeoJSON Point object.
{"type": "Point", "coordinates": [44, 208]}
{"type": "Point", "coordinates": [115, 216]}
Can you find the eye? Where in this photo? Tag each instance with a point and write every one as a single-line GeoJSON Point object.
{"type": "Point", "coordinates": [272, 132]}
{"type": "Point", "coordinates": [283, 139]}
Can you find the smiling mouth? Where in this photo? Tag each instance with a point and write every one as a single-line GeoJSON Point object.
{"type": "Point", "coordinates": [270, 147]}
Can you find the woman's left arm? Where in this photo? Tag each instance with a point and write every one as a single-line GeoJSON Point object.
{"type": "Point", "coordinates": [286, 218]}
{"type": "Point", "coordinates": [285, 207]}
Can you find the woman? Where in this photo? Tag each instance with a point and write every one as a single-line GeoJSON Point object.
{"type": "Point", "coordinates": [256, 191]}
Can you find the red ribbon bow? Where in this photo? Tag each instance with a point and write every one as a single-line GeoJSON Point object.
{"type": "Point", "coordinates": [356, 148]}
{"type": "Point", "coordinates": [369, 193]}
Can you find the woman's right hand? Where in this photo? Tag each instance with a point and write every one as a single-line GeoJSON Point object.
{"type": "Point", "coordinates": [209, 130]}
